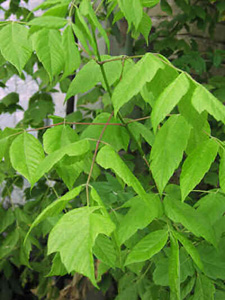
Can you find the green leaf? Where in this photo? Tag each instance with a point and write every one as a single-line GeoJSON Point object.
{"type": "Point", "coordinates": [204, 288]}
{"type": "Point", "coordinates": [75, 149]}
{"type": "Point", "coordinates": [167, 150]}
{"type": "Point", "coordinates": [139, 216]}
{"type": "Point", "coordinates": [169, 98]}
{"type": "Point", "coordinates": [48, 46]}
{"type": "Point", "coordinates": [10, 99]}
{"type": "Point", "coordinates": [55, 208]}
{"type": "Point", "coordinates": [58, 268]}
{"type": "Point", "coordinates": [71, 52]}
{"type": "Point", "coordinates": [104, 250]}
{"type": "Point", "coordinates": [6, 218]}
{"type": "Point", "coordinates": [116, 136]}
{"type": "Point", "coordinates": [58, 137]}
{"type": "Point", "coordinates": [109, 159]}
{"type": "Point", "coordinates": [212, 206]}
{"type": "Point", "coordinates": [26, 155]}
{"type": "Point", "coordinates": [132, 10]}
{"type": "Point", "coordinates": [147, 247]}
{"type": "Point", "coordinates": [9, 243]}
{"type": "Point", "coordinates": [174, 269]}
{"type": "Point", "coordinates": [74, 237]}
{"type": "Point", "coordinates": [149, 3]}
{"type": "Point", "coordinates": [190, 248]}
{"type": "Point", "coordinates": [133, 81]}
{"type": "Point", "coordinates": [214, 263]}
{"type": "Point", "coordinates": [87, 11]}
{"type": "Point", "coordinates": [196, 165]}
{"type": "Point", "coordinates": [166, 7]}
{"type": "Point", "coordinates": [190, 218]}
{"type": "Point", "coordinates": [140, 129]}
{"type": "Point", "coordinates": [14, 45]}
{"type": "Point", "coordinates": [221, 170]}
{"type": "Point", "coordinates": [144, 27]}
{"type": "Point", "coordinates": [3, 145]}
{"type": "Point", "coordinates": [203, 100]}
{"type": "Point", "coordinates": [187, 288]}
{"type": "Point", "coordinates": [48, 22]}
{"type": "Point", "coordinates": [91, 74]}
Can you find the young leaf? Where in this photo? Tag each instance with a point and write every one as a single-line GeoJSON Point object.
{"type": "Point", "coordinates": [168, 148]}
{"type": "Point", "coordinates": [75, 149]}
{"type": "Point", "coordinates": [26, 154]}
{"type": "Point", "coordinates": [139, 216]}
{"type": "Point", "coordinates": [193, 220]}
{"type": "Point", "coordinates": [74, 237]}
{"type": "Point", "coordinates": [55, 208]}
{"type": "Point", "coordinates": [71, 52]}
{"type": "Point", "coordinates": [203, 100]}
{"type": "Point", "coordinates": [190, 248]}
{"type": "Point", "coordinates": [116, 136]}
{"type": "Point", "coordinates": [169, 98]}
{"type": "Point", "coordinates": [147, 247]}
{"type": "Point", "coordinates": [49, 22]}
{"type": "Point", "coordinates": [196, 165]}
{"type": "Point", "coordinates": [14, 45]}
{"type": "Point", "coordinates": [204, 289]}
{"type": "Point", "coordinates": [174, 269]}
{"type": "Point", "coordinates": [222, 171]}
{"type": "Point", "coordinates": [132, 10]}
{"type": "Point", "coordinates": [133, 81]}
{"type": "Point", "coordinates": [58, 137]}
{"type": "Point", "coordinates": [87, 11]}
{"type": "Point", "coordinates": [48, 45]}
{"type": "Point", "coordinates": [109, 159]}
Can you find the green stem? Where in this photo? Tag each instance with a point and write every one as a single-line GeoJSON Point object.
{"type": "Point", "coordinates": [110, 94]}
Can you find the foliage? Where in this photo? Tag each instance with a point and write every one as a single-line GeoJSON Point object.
{"type": "Point", "coordinates": [131, 194]}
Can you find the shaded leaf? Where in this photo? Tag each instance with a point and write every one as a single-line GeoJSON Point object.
{"type": "Point", "coordinates": [204, 288]}
{"type": "Point", "coordinates": [174, 269]}
{"type": "Point", "coordinates": [104, 250]}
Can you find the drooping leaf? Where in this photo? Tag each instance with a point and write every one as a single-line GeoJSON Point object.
{"type": "Point", "coordinates": [174, 269]}
{"type": "Point", "coordinates": [74, 237]}
{"type": "Point", "coordinates": [147, 247]}
{"type": "Point", "coordinates": [140, 129]}
{"type": "Point", "coordinates": [71, 52]}
{"type": "Point", "coordinates": [26, 154]}
{"type": "Point", "coordinates": [145, 26]}
{"type": "Point", "coordinates": [49, 22]}
{"type": "Point", "coordinates": [190, 218]}
{"type": "Point", "coordinates": [204, 288]}
{"type": "Point", "coordinates": [48, 45]}
{"type": "Point", "coordinates": [109, 159]}
{"type": "Point", "coordinates": [87, 11]}
{"type": "Point", "coordinates": [58, 137]}
{"type": "Point", "coordinates": [55, 208]}
{"type": "Point", "coordinates": [196, 165]}
{"type": "Point", "coordinates": [203, 100]}
{"type": "Point", "coordinates": [190, 248]}
{"type": "Point", "coordinates": [133, 81]}
{"type": "Point", "coordinates": [116, 136]}
{"type": "Point", "coordinates": [169, 98]}
{"type": "Point", "coordinates": [75, 149]}
{"type": "Point", "coordinates": [167, 150]}
{"type": "Point", "coordinates": [138, 217]}
{"type": "Point", "coordinates": [14, 45]}
{"type": "Point", "coordinates": [132, 10]}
